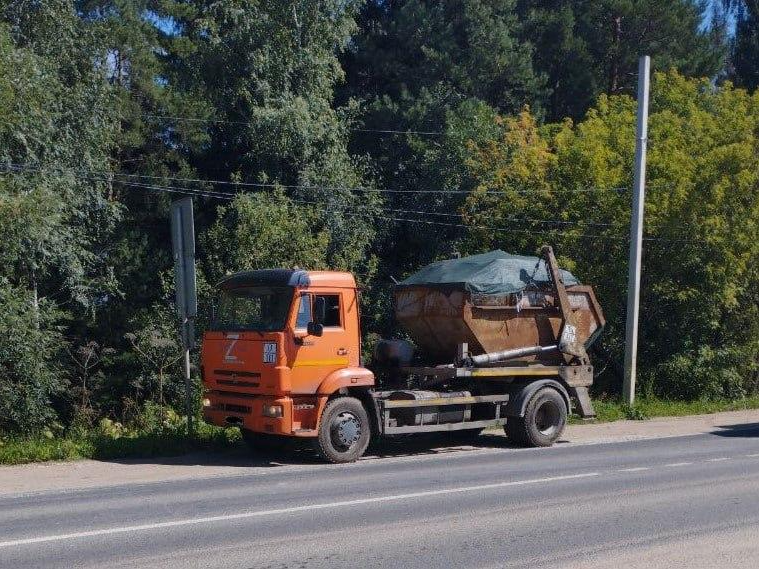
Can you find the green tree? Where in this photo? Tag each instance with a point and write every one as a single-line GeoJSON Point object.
{"type": "Point", "coordinates": [438, 69]}
{"type": "Point", "coordinates": [143, 44]}
{"type": "Point", "coordinates": [745, 45]}
{"type": "Point", "coordinates": [589, 48]}
{"type": "Point", "coordinates": [31, 377]}
{"type": "Point", "coordinates": [259, 231]}
{"type": "Point", "coordinates": [156, 343]}
{"type": "Point", "coordinates": [458, 49]}
{"type": "Point", "coordinates": [567, 184]}
{"type": "Point", "coordinates": [269, 70]}
{"type": "Point", "coordinates": [55, 119]}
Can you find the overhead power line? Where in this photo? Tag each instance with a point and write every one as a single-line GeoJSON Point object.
{"type": "Point", "coordinates": [248, 123]}
{"type": "Point", "coordinates": [505, 229]}
{"type": "Point", "coordinates": [515, 219]}
{"type": "Point", "coordinates": [372, 211]}
{"type": "Point", "coordinates": [366, 208]}
{"type": "Point", "coordinates": [345, 209]}
{"type": "Point", "coordinates": [390, 131]}
{"type": "Point", "coordinates": [316, 186]}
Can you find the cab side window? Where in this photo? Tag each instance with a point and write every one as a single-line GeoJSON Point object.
{"type": "Point", "coordinates": [332, 312]}
{"type": "Point", "coordinates": [304, 311]}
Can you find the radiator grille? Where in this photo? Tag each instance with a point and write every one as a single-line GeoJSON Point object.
{"type": "Point", "coordinates": [235, 373]}
{"type": "Point", "coordinates": [237, 383]}
{"type": "Point", "coordinates": [231, 407]}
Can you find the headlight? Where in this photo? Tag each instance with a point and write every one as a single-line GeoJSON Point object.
{"type": "Point", "coordinates": [274, 411]}
{"type": "Point", "coordinates": [206, 402]}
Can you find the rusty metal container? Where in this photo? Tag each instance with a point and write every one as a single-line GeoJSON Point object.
{"type": "Point", "coordinates": [438, 319]}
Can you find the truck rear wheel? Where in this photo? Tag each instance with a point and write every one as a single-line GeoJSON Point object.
{"type": "Point", "coordinates": [544, 420]}
{"type": "Point", "coordinates": [344, 430]}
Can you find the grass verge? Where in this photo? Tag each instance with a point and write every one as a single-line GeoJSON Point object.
{"type": "Point", "coordinates": [102, 446]}
{"type": "Point", "coordinates": [647, 407]}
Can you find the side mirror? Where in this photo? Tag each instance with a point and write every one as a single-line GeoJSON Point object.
{"type": "Point", "coordinates": [315, 329]}
{"type": "Point", "coordinates": [320, 310]}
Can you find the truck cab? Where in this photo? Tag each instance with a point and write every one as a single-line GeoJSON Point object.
{"type": "Point", "coordinates": [280, 344]}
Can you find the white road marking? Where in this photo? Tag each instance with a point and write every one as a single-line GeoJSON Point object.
{"type": "Point", "coordinates": [719, 459]}
{"type": "Point", "coordinates": [294, 509]}
{"type": "Point", "coordinates": [674, 464]}
{"type": "Point", "coordinates": [636, 469]}
{"type": "Point", "coordinates": [753, 455]}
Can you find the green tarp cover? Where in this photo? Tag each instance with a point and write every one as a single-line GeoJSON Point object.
{"type": "Point", "coordinates": [495, 272]}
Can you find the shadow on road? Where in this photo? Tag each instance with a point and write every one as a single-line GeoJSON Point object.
{"type": "Point", "coordinates": [299, 452]}
{"type": "Point", "coordinates": [436, 444]}
{"type": "Point", "coordinates": [747, 430]}
{"type": "Point", "coordinates": [237, 456]}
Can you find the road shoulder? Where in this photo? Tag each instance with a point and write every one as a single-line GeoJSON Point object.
{"type": "Point", "coordinates": [83, 474]}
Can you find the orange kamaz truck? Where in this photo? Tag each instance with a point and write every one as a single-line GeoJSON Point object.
{"type": "Point", "coordinates": [496, 340]}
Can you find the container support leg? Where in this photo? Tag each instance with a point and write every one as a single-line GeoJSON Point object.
{"type": "Point", "coordinates": [584, 404]}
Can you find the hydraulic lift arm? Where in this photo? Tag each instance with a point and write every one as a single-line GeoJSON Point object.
{"type": "Point", "coordinates": [568, 338]}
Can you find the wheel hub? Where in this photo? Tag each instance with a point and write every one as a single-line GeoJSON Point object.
{"type": "Point", "coordinates": [346, 429]}
{"type": "Point", "coordinates": [547, 418]}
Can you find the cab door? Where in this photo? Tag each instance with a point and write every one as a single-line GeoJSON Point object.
{"type": "Point", "coordinates": [315, 357]}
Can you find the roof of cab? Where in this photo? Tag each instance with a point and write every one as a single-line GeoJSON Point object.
{"type": "Point", "coordinates": [289, 277]}
{"type": "Point", "coordinates": [337, 279]}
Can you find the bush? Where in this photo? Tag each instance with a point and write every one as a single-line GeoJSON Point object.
{"type": "Point", "coordinates": [30, 347]}
{"type": "Point", "coordinates": [706, 373]}
{"type": "Point", "coordinates": [151, 431]}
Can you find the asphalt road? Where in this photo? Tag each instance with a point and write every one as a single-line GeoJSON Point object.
{"type": "Point", "coordinates": [676, 502]}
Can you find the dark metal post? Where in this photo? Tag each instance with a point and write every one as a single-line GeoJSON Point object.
{"type": "Point", "coordinates": [183, 245]}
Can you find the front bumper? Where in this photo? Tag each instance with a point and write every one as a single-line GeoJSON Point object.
{"type": "Point", "coordinates": [299, 416]}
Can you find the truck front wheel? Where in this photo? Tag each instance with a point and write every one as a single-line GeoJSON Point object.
{"type": "Point", "coordinates": [344, 430]}
{"type": "Point", "coordinates": [544, 420]}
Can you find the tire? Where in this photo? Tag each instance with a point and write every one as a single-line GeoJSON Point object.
{"type": "Point", "coordinates": [262, 442]}
{"type": "Point", "coordinates": [544, 420]}
{"type": "Point", "coordinates": [344, 431]}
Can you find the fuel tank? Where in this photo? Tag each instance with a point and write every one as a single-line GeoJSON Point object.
{"type": "Point", "coordinates": [428, 415]}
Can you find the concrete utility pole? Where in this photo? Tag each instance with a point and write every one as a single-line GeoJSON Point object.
{"type": "Point", "coordinates": [636, 234]}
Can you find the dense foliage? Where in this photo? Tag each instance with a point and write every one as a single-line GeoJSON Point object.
{"type": "Point", "coordinates": [700, 324]}
{"type": "Point", "coordinates": [373, 136]}
{"type": "Point", "coordinates": [745, 44]}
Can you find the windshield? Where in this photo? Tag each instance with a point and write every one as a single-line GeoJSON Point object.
{"type": "Point", "coordinates": [261, 309]}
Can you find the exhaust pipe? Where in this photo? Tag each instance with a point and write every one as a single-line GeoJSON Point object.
{"type": "Point", "coordinates": [474, 361]}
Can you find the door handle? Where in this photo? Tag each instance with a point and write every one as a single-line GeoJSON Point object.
{"type": "Point", "coordinates": [342, 352]}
